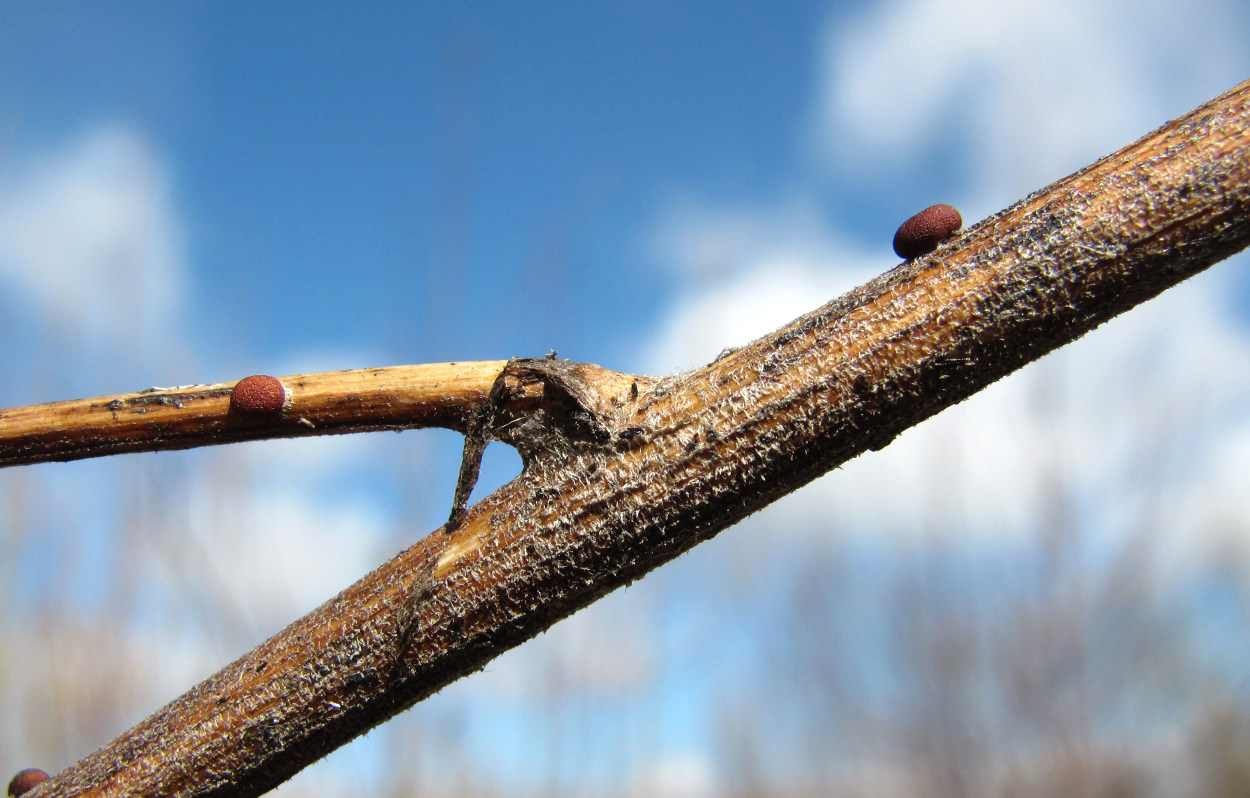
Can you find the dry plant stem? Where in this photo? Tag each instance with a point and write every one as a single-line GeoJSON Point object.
{"type": "Point", "coordinates": [623, 474]}
{"type": "Point", "coordinates": [398, 397]}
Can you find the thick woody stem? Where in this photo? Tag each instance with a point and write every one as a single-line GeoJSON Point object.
{"type": "Point", "coordinates": [623, 474]}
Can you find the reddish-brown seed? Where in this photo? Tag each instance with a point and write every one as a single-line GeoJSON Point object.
{"type": "Point", "coordinates": [258, 395]}
{"type": "Point", "coordinates": [923, 232]}
{"type": "Point", "coordinates": [25, 780]}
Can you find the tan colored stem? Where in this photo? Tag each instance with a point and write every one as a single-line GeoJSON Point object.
{"type": "Point", "coordinates": [623, 474]}
{"type": "Point", "coordinates": [398, 397]}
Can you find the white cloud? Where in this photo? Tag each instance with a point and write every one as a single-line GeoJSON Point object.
{"type": "Point", "coordinates": [1034, 90]}
{"type": "Point", "coordinates": [678, 776]}
{"type": "Point", "coordinates": [89, 233]}
{"type": "Point", "coordinates": [606, 649]}
{"type": "Point", "coordinates": [272, 553]}
{"type": "Point", "coordinates": [92, 239]}
{"type": "Point", "coordinates": [753, 269]}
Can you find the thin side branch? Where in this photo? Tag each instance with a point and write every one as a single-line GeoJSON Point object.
{"type": "Point", "coordinates": [398, 397]}
{"type": "Point", "coordinates": [623, 474]}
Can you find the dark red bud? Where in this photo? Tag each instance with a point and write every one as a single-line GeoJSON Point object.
{"type": "Point", "coordinates": [258, 395]}
{"type": "Point", "coordinates": [921, 234]}
{"type": "Point", "coordinates": [25, 780]}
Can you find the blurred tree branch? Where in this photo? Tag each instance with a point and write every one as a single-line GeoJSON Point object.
{"type": "Point", "coordinates": [624, 473]}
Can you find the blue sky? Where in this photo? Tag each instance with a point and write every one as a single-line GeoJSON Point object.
{"type": "Point", "coordinates": [324, 161]}
{"type": "Point", "coordinates": [196, 192]}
